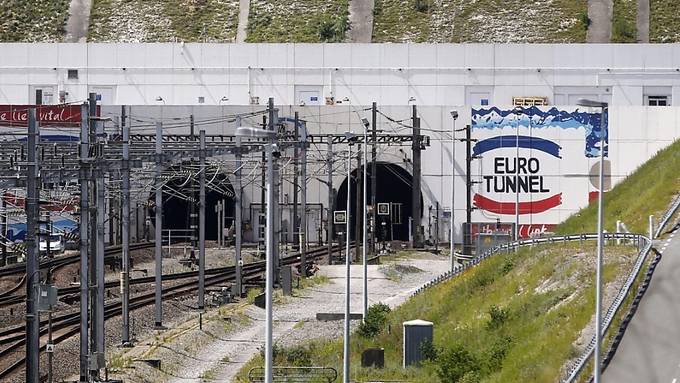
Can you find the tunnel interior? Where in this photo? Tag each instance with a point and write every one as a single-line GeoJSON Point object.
{"type": "Point", "coordinates": [180, 201]}
{"type": "Point", "coordinates": [394, 186]}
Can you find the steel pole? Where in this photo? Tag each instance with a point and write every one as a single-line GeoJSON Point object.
{"type": "Point", "coordinates": [453, 195]}
{"type": "Point", "coordinates": [238, 211]}
{"type": "Point", "coordinates": [269, 264]}
{"type": "Point", "coordinates": [158, 229]}
{"type": "Point", "coordinates": [32, 254]}
{"type": "Point", "coordinates": [84, 237]}
{"type": "Point", "coordinates": [364, 240]}
{"type": "Point", "coordinates": [345, 351]}
{"type": "Point", "coordinates": [125, 275]}
{"type": "Point", "coordinates": [303, 193]}
{"type": "Point", "coordinates": [201, 223]}
{"type": "Point", "coordinates": [99, 271]}
{"type": "Point", "coordinates": [600, 244]}
{"type": "Point", "coordinates": [517, 182]}
{"type": "Point", "coordinates": [329, 219]}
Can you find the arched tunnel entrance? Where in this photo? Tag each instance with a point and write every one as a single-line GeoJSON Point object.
{"type": "Point", "coordinates": [394, 187]}
{"type": "Point", "coordinates": [181, 196]}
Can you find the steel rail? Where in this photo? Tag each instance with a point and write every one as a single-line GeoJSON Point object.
{"type": "Point", "coordinates": [68, 324]}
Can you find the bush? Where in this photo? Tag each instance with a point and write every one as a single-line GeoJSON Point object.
{"type": "Point", "coordinates": [423, 5]}
{"type": "Point", "coordinates": [429, 351]}
{"type": "Point", "coordinates": [375, 320]}
{"type": "Point", "coordinates": [495, 355]}
{"type": "Point", "coordinates": [497, 317]}
{"type": "Point", "coordinates": [455, 363]}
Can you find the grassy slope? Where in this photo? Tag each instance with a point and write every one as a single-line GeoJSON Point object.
{"type": "Point", "coordinates": [542, 324]}
{"type": "Point", "coordinates": [479, 21]}
{"type": "Point", "coordinates": [647, 191]}
{"type": "Point", "coordinates": [624, 25]}
{"type": "Point", "coordinates": [281, 21]}
{"type": "Point", "coordinates": [33, 20]}
{"type": "Point", "coordinates": [664, 23]}
{"type": "Point", "coordinates": [163, 20]}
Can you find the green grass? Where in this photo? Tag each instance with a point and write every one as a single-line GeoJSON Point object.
{"type": "Point", "coordinates": [542, 323]}
{"type": "Point", "coordinates": [163, 20]}
{"type": "Point", "coordinates": [624, 25]}
{"type": "Point", "coordinates": [33, 20]}
{"type": "Point", "coordinates": [310, 21]}
{"type": "Point", "coordinates": [649, 190]}
{"type": "Point", "coordinates": [664, 21]}
{"type": "Point", "coordinates": [479, 21]}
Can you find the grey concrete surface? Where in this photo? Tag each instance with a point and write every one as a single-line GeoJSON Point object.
{"type": "Point", "coordinates": [361, 21]}
{"type": "Point", "coordinates": [600, 13]}
{"type": "Point", "coordinates": [650, 349]}
{"type": "Point", "coordinates": [643, 21]}
{"type": "Point", "coordinates": [243, 14]}
{"type": "Point", "coordinates": [78, 21]}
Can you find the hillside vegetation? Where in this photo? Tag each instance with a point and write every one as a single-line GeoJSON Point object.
{"type": "Point", "coordinates": [310, 21]}
{"type": "Point", "coordinates": [33, 20]}
{"type": "Point", "coordinates": [440, 21]}
{"type": "Point", "coordinates": [664, 21]}
{"type": "Point", "coordinates": [163, 20]}
{"type": "Point", "coordinates": [648, 190]}
{"type": "Point", "coordinates": [514, 318]}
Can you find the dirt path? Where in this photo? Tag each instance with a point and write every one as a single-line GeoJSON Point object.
{"type": "Point", "coordinates": [643, 21]}
{"type": "Point", "coordinates": [243, 14]}
{"type": "Point", "coordinates": [361, 21]}
{"type": "Point", "coordinates": [78, 21]}
{"type": "Point", "coordinates": [600, 13]}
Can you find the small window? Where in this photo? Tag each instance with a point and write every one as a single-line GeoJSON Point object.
{"type": "Point", "coordinates": [73, 74]}
{"type": "Point", "coordinates": [201, 99]}
{"type": "Point", "coordinates": [657, 100]}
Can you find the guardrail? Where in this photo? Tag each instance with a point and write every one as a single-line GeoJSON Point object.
{"type": "Point", "coordinates": [666, 217]}
{"type": "Point", "coordinates": [474, 261]}
{"type": "Point", "coordinates": [576, 367]}
{"type": "Point", "coordinates": [643, 243]}
{"type": "Point", "coordinates": [294, 374]}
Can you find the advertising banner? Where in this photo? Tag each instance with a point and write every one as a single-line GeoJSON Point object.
{"type": "Point", "coordinates": [59, 115]}
{"type": "Point", "coordinates": [536, 162]}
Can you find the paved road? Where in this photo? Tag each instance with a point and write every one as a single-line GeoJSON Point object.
{"type": "Point", "coordinates": [643, 21]}
{"type": "Point", "coordinates": [361, 21]}
{"type": "Point", "coordinates": [650, 349]}
{"type": "Point", "coordinates": [600, 13]}
{"type": "Point", "coordinates": [78, 21]}
{"type": "Point", "coordinates": [243, 13]}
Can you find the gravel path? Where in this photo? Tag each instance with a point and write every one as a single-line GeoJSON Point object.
{"type": "Point", "coordinates": [361, 21]}
{"type": "Point", "coordinates": [600, 13]}
{"type": "Point", "coordinates": [234, 333]}
{"type": "Point", "coordinates": [243, 13]}
{"type": "Point", "coordinates": [78, 21]}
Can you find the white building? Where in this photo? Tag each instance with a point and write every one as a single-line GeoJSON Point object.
{"type": "Point", "coordinates": [389, 74]}
{"type": "Point", "coordinates": [169, 82]}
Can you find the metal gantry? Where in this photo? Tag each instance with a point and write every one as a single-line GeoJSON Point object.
{"type": "Point", "coordinates": [99, 165]}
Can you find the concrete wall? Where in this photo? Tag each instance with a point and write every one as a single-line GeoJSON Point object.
{"type": "Point", "coordinates": [635, 135]}
{"type": "Point", "coordinates": [390, 74]}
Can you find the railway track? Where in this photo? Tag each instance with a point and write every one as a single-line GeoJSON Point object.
{"type": "Point", "coordinates": [6, 297]}
{"type": "Point", "coordinates": [65, 326]}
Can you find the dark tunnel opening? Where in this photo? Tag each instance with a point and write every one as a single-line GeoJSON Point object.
{"type": "Point", "coordinates": [180, 201]}
{"type": "Point", "coordinates": [394, 186]}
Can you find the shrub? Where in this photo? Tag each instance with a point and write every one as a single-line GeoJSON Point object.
{"type": "Point", "coordinates": [375, 320]}
{"type": "Point", "coordinates": [456, 362]}
{"type": "Point", "coordinates": [429, 351]}
{"type": "Point", "coordinates": [495, 355]}
{"type": "Point", "coordinates": [497, 317]}
{"type": "Point", "coordinates": [422, 5]}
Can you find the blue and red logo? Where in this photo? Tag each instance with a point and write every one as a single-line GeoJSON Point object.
{"type": "Point", "coordinates": [517, 174]}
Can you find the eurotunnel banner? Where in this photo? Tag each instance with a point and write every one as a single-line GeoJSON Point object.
{"type": "Point", "coordinates": [536, 162]}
